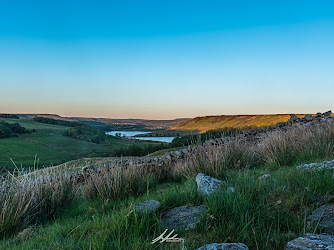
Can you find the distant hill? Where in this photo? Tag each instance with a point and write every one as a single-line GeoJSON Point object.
{"type": "Point", "coordinates": [203, 124]}
{"type": "Point", "coordinates": [113, 124]}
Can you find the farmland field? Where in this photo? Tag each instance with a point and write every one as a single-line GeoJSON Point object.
{"type": "Point", "coordinates": [49, 146]}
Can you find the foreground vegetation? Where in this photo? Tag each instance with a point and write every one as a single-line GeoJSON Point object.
{"type": "Point", "coordinates": [98, 213]}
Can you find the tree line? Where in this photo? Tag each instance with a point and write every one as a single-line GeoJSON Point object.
{"type": "Point", "coordinates": [78, 130]}
{"type": "Point", "coordinates": [12, 129]}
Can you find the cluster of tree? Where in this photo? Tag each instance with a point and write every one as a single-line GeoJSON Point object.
{"type": "Point", "coordinates": [184, 141]}
{"type": "Point", "coordinates": [86, 133]}
{"type": "Point", "coordinates": [78, 130]}
{"type": "Point", "coordinates": [139, 150]}
{"type": "Point", "coordinates": [12, 129]}
{"type": "Point", "coordinates": [9, 116]}
{"type": "Point", "coordinates": [57, 121]}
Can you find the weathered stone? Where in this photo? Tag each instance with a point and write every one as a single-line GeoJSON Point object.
{"type": "Point", "coordinates": [184, 151]}
{"type": "Point", "coordinates": [323, 217]}
{"type": "Point", "coordinates": [185, 217]}
{"type": "Point", "coordinates": [207, 184]}
{"type": "Point", "coordinates": [327, 114]}
{"type": "Point", "coordinates": [177, 153]}
{"type": "Point", "coordinates": [308, 118]}
{"type": "Point", "coordinates": [294, 118]}
{"type": "Point", "coordinates": [319, 114]}
{"type": "Point", "coordinates": [224, 246]}
{"type": "Point", "coordinates": [265, 176]}
{"type": "Point", "coordinates": [26, 234]}
{"type": "Point", "coordinates": [312, 241]}
{"type": "Point", "coordinates": [317, 166]}
{"type": "Point", "coordinates": [148, 206]}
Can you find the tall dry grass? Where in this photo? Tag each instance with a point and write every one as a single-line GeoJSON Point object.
{"type": "Point", "coordinates": [297, 144]}
{"type": "Point", "coordinates": [25, 201]}
{"type": "Point", "coordinates": [120, 181]}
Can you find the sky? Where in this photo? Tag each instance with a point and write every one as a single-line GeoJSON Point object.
{"type": "Point", "coordinates": [166, 59]}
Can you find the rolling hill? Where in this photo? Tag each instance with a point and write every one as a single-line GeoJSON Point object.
{"type": "Point", "coordinates": [205, 123]}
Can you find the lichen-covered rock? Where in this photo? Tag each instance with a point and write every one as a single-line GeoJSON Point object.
{"type": "Point", "coordinates": [323, 217]}
{"type": "Point", "coordinates": [147, 206]}
{"type": "Point", "coordinates": [207, 184]}
{"type": "Point", "coordinates": [185, 217]}
{"type": "Point", "coordinates": [312, 241]}
{"type": "Point", "coordinates": [317, 166]}
{"type": "Point", "coordinates": [224, 246]}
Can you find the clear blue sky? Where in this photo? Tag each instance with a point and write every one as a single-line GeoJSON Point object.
{"type": "Point", "coordinates": [166, 59]}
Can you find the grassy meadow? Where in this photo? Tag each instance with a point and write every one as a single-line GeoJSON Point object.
{"type": "Point", "coordinates": [49, 146]}
{"type": "Point", "coordinates": [99, 214]}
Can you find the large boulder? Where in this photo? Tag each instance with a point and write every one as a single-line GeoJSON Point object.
{"type": "Point", "coordinates": [323, 217]}
{"type": "Point", "coordinates": [312, 241]}
{"type": "Point", "coordinates": [185, 217]}
{"type": "Point", "coordinates": [148, 206]}
{"type": "Point", "coordinates": [208, 185]}
{"type": "Point", "coordinates": [224, 246]}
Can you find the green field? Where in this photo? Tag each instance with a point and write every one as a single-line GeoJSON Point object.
{"type": "Point", "coordinates": [49, 146]}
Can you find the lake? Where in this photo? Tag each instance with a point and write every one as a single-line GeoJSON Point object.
{"type": "Point", "coordinates": [132, 135]}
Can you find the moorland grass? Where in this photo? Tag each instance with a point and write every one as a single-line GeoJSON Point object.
{"type": "Point", "coordinates": [262, 213]}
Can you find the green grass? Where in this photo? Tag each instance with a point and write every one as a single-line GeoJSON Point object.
{"type": "Point", "coordinates": [263, 214]}
{"type": "Point", "coordinates": [50, 146]}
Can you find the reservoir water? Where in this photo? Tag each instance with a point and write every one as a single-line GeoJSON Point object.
{"type": "Point", "coordinates": [132, 135]}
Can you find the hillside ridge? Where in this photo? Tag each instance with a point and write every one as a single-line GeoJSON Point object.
{"type": "Point", "coordinates": [205, 123]}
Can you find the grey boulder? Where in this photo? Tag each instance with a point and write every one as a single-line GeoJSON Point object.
{"type": "Point", "coordinates": [208, 185]}
{"type": "Point", "coordinates": [323, 217]}
{"type": "Point", "coordinates": [312, 241]}
{"type": "Point", "coordinates": [148, 206]}
{"type": "Point", "coordinates": [185, 217]}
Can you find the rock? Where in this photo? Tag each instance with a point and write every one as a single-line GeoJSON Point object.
{"type": "Point", "coordinates": [147, 206]}
{"type": "Point", "coordinates": [327, 114]}
{"type": "Point", "coordinates": [207, 184]}
{"type": "Point", "coordinates": [177, 153]}
{"type": "Point", "coordinates": [319, 114]}
{"type": "Point", "coordinates": [25, 234]}
{"type": "Point", "coordinates": [312, 241]}
{"type": "Point", "coordinates": [308, 118]}
{"type": "Point", "coordinates": [185, 217]}
{"type": "Point", "coordinates": [317, 166]}
{"type": "Point", "coordinates": [294, 118]}
{"type": "Point", "coordinates": [184, 151]}
{"type": "Point", "coordinates": [323, 217]}
{"type": "Point", "coordinates": [168, 157]}
{"type": "Point", "coordinates": [230, 189]}
{"type": "Point", "coordinates": [224, 246]}
{"type": "Point", "coordinates": [265, 176]}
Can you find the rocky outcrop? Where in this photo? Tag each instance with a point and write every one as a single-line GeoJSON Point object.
{"type": "Point", "coordinates": [224, 246]}
{"type": "Point", "coordinates": [254, 135]}
{"type": "Point", "coordinates": [185, 217]}
{"type": "Point", "coordinates": [147, 206]}
{"type": "Point", "coordinates": [208, 185]}
{"type": "Point", "coordinates": [323, 217]}
{"type": "Point", "coordinates": [312, 241]}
